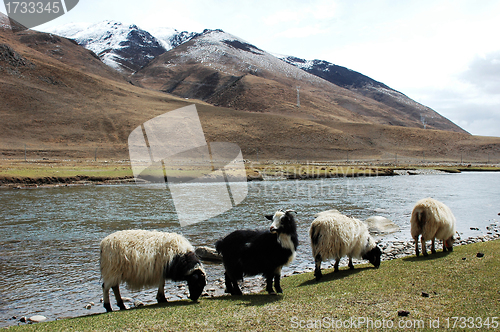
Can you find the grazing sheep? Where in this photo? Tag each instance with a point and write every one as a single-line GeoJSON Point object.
{"type": "Point", "coordinates": [253, 252]}
{"type": "Point", "coordinates": [146, 258]}
{"type": "Point", "coordinates": [334, 235]}
{"type": "Point", "coordinates": [432, 219]}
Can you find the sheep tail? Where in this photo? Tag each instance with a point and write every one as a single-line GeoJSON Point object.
{"type": "Point", "coordinates": [315, 234]}
{"type": "Point", "coordinates": [218, 246]}
{"type": "Point", "coordinates": [421, 218]}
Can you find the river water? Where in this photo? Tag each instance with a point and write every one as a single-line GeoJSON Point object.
{"type": "Point", "coordinates": [49, 237]}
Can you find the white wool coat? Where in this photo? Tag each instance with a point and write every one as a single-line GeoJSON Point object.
{"type": "Point", "coordinates": [437, 220]}
{"type": "Point", "coordinates": [139, 257]}
{"type": "Point", "coordinates": [340, 236]}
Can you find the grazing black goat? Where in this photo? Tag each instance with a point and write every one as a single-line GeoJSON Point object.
{"type": "Point", "coordinates": [253, 252]}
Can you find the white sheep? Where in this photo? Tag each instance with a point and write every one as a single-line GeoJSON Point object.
{"type": "Point", "coordinates": [432, 219]}
{"type": "Point", "coordinates": [334, 235]}
{"type": "Point", "coordinates": [146, 258]}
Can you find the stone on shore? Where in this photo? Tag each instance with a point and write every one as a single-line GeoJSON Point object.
{"type": "Point", "coordinates": [209, 254]}
{"type": "Point", "coordinates": [381, 225]}
{"type": "Point", "coordinates": [37, 318]}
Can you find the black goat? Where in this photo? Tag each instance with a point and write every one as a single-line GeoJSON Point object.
{"type": "Point", "coordinates": [253, 252]}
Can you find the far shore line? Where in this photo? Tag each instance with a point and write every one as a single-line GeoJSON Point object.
{"type": "Point", "coordinates": [20, 174]}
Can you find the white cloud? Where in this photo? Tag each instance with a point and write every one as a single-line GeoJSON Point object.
{"type": "Point", "coordinates": [283, 16]}
{"type": "Point", "coordinates": [304, 12]}
{"type": "Point", "coordinates": [302, 32]}
{"type": "Point", "coordinates": [484, 73]}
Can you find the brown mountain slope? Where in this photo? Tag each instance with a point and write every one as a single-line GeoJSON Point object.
{"type": "Point", "coordinates": [368, 87]}
{"type": "Point", "coordinates": [270, 136]}
{"type": "Point", "coordinates": [59, 110]}
{"type": "Point", "coordinates": [223, 70]}
{"type": "Point", "coordinates": [48, 104]}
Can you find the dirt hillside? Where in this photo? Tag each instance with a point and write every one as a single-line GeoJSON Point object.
{"type": "Point", "coordinates": [59, 102]}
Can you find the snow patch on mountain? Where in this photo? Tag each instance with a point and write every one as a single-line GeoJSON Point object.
{"type": "Point", "coordinates": [121, 46]}
{"type": "Point", "coordinates": [227, 53]}
{"type": "Point", "coordinates": [170, 38]}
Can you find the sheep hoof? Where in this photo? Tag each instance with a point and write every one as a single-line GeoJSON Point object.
{"type": "Point", "coordinates": [433, 251]}
{"type": "Point", "coordinates": [236, 292]}
{"type": "Point", "coordinates": [425, 254]}
{"type": "Point", "coordinates": [161, 298]}
{"type": "Point", "coordinates": [279, 290]}
{"type": "Point", "coordinates": [107, 306]}
{"type": "Point", "coordinates": [450, 249]}
{"type": "Point", "coordinates": [317, 274]}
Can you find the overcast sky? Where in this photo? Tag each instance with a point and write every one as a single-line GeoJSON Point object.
{"type": "Point", "coordinates": [443, 54]}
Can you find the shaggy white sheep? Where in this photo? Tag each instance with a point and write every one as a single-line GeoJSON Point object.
{"type": "Point", "coordinates": [432, 219]}
{"type": "Point", "coordinates": [334, 235]}
{"type": "Point", "coordinates": [146, 258]}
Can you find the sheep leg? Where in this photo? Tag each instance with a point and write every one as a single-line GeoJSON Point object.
{"type": "Point", "coordinates": [236, 289]}
{"type": "Point", "coordinates": [336, 265]}
{"type": "Point", "coordinates": [317, 270]}
{"type": "Point", "coordinates": [416, 246]}
{"type": "Point", "coordinates": [433, 246]}
{"type": "Point", "coordinates": [449, 244]}
{"type": "Point", "coordinates": [351, 266]}
{"type": "Point", "coordinates": [231, 285]}
{"type": "Point", "coordinates": [277, 276]}
{"type": "Point", "coordinates": [105, 298]}
{"type": "Point", "coordinates": [160, 296]}
{"type": "Point", "coordinates": [118, 297]}
{"type": "Point", "coordinates": [269, 284]}
{"type": "Point", "coordinates": [424, 250]}
{"type": "Point", "coordinates": [277, 284]}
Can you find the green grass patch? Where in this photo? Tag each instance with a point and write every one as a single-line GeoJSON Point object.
{"type": "Point", "coordinates": [41, 170]}
{"type": "Point", "coordinates": [458, 284]}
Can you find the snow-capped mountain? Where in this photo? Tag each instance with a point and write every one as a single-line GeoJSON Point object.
{"type": "Point", "coordinates": [338, 75]}
{"type": "Point", "coordinates": [170, 37]}
{"type": "Point", "coordinates": [367, 87]}
{"type": "Point", "coordinates": [225, 70]}
{"type": "Point", "coordinates": [227, 53]}
{"type": "Point", "coordinates": [125, 48]}
{"type": "Point", "coordinates": [212, 62]}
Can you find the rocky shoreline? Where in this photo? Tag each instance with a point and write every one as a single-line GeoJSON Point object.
{"type": "Point", "coordinates": [392, 249]}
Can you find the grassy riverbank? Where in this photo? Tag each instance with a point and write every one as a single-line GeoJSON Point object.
{"type": "Point", "coordinates": [439, 287]}
{"type": "Point", "coordinates": [50, 172]}
{"type": "Point", "coordinates": [45, 172]}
